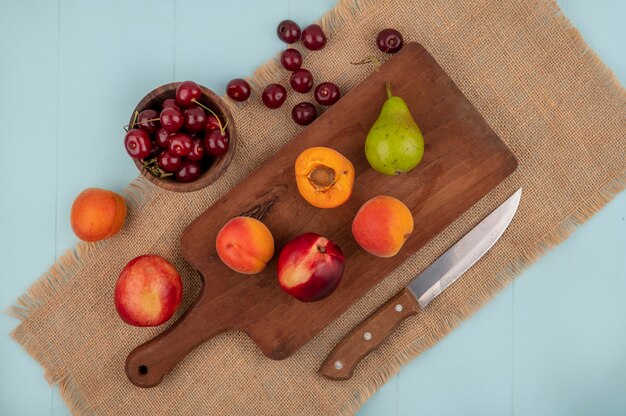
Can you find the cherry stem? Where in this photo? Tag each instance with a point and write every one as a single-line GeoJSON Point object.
{"type": "Point", "coordinates": [222, 127]}
{"type": "Point", "coordinates": [154, 169]}
{"type": "Point", "coordinates": [135, 121]}
{"type": "Point", "coordinates": [388, 88]}
{"type": "Point", "coordinates": [369, 60]}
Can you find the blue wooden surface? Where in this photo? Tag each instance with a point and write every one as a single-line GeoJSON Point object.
{"type": "Point", "coordinates": [550, 344]}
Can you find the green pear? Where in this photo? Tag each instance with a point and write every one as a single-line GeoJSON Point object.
{"type": "Point", "coordinates": [394, 144]}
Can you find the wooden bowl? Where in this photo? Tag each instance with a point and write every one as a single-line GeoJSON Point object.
{"type": "Point", "coordinates": [213, 101]}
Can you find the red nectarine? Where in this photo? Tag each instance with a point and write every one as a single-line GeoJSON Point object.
{"type": "Point", "coordinates": [148, 291]}
{"type": "Point", "coordinates": [310, 267]}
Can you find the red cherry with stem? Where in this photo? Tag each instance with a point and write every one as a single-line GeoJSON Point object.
{"type": "Point", "coordinates": [389, 40]}
{"type": "Point", "coordinates": [189, 171]}
{"type": "Point", "coordinates": [327, 93]}
{"type": "Point", "coordinates": [138, 144]}
{"type": "Point", "coordinates": [187, 92]}
{"type": "Point", "coordinates": [195, 119]}
{"type": "Point", "coordinates": [180, 144]}
{"type": "Point", "coordinates": [197, 151]}
{"type": "Point", "coordinates": [313, 37]}
{"type": "Point", "coordinates": [274, 95]}
{"type": "Point", "coordinates": [222, 127]}
{"type": "Point", "coordinates": [172, 119]}
{"type": "Point", "coordinates": [162, 138]}
{"type": "Point", "coordinates": [288, 31]}
{"type": "Point", "coordinates": [212, 123]}
{"type": "Point", "coordinates": [216, 142]}
{"type": "Point", "coordinates": [169, 162]}
{"type": "Point", "coordinates": [291, 59]}
{"type": "Point", "coordinates": [238, 89]}
{"type": "Point", "coordinates": [304, 113]}
{"type": "Point", "coordinates": [170, 103]}
{"type": "Point", "coordinates": [148, 120]}
{"type": "Point", "coordinates": [301, 80]}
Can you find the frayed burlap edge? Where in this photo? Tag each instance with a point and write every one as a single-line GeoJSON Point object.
{"type": "Point", "coordinates": [137, 193]}
{"type": "Point", "coordinates": [141, 191]}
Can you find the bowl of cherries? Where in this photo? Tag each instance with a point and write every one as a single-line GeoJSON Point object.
{"type": "Point", "coordinates": [181, 136]}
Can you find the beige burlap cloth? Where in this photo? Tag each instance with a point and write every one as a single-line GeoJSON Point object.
{"type": "Point", "coordinates": [523, 66]}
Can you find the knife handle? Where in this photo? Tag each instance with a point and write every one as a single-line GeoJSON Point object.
{"type": "Point", "coordinates": [368, 335]}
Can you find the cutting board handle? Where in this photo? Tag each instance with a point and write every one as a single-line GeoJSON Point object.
{"type": "Point", "coordinates": [149, 363]}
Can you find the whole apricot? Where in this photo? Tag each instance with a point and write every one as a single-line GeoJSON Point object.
{"type": "Point", "coordinates": [97, 214]}
{"type": "Point", "coordinates": [245, 245]}
{"type": "Point", "coordinates": [382, 225]}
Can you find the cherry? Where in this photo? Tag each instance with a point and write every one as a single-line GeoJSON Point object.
{"type": "Point", "coordinates": [304, 113]}
{"type": "Point", "coordinates": [186, 92]}
{"type": "Point", "coordinates": [189, 171]}
{"type": "Point", "coordinates": [168, 162]}
{"type": "Point", "coordinates": [197, 150]}
{"type": "Point", "coordinates": [180, 144]}
{"type": "Point", "coordinates": [216, 142]}
{"type": "Point", "coordinates": [274, 95]}
{"type": "Point", "coordinates": [288, 31]}
{"type": "Point", "coordinates": [172, 119]}
{"type": "Point", "coordinates": [301, 80]}
{"type": "Point", "coordinates": [212, 123]}
{"type": "Point", "coordinates": [291, 59]}
{"type": "Point", "coordinates": [148, 120]}
{"type": "Point", "coordinates": [195, 119]}
{"type": "Point", "coordinates": [138, 143]}
{"type": "Point", "coordinates": [313, 37]}
{"type": "Point", "coordinates": [389, 40]}
{"type": "Point", "coordinates": [170, 102]}
{"type": "Point", "coordinates": [238, 89]}
{"type": "Point", "coordinates": [162, 138]}
{"type": "Point", "coordinates": [327, 93]}
{"type": "Point", "coordinates": [154, 152]}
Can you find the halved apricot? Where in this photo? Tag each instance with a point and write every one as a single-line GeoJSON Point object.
{"type": "Point", "coordinates": [324, 177]}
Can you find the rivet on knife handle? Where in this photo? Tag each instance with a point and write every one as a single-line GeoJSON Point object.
{"type": "Point", "coordinates": [368, 336]}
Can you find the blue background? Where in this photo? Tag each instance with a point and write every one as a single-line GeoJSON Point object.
{"type": "Point", "coordinates": [553, 343]}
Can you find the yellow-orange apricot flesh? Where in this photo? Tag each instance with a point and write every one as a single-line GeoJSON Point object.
{"type": "Point", "coordinates": [324, 177]}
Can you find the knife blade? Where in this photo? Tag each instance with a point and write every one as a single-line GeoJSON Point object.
{"type": "Point", "coordinates": [375, 329]}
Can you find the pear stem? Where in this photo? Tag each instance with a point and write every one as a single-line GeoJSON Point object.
{"type": "Point", "coordinates": [388, 88]}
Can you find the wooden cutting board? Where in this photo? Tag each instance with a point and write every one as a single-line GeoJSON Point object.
{"type": "Point", "coordinates": [463, 160]}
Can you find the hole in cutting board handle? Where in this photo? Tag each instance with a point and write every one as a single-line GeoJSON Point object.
{"type": "Point", "coordinates": [143, 370]}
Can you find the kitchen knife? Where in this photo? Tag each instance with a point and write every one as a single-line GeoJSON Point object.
{"type": "Point", "coordinates": [375, 329]}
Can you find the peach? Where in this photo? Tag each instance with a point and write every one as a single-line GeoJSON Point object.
{"type": "Point", "coordinates": [97, 214]}
{"type": "Point", "coordinates": [148, 291]}
{"type": "Point", "coordinates": [382, 225]}
{"type": "Point", "coordinates": [245, 245]}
